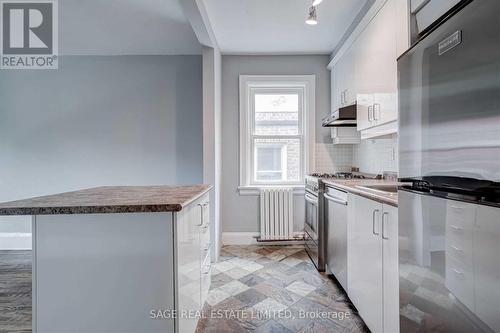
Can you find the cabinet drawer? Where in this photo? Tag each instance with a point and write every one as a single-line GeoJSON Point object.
{"type": "Point", "coordinates": [460, 252]}
{"type": "Point", "coordinates": [459, 223]}
{"type": "Point", "coordinates": [459, 280]}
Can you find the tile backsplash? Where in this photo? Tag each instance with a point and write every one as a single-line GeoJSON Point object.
{"type": "Point", "coordinates": [376, 155]}
{"type": "Point", "coordinates": [370, 156]}
{"type": "Point", "coordinates": [333, 158]}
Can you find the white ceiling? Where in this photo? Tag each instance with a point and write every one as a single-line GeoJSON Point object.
{"type": "Point", "coordinates": [277, 26]}
{"type": "Point", "coordinates": [117, 27]}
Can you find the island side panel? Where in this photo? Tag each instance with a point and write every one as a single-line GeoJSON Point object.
{"type": "Point", "coordinates": [103, 272]}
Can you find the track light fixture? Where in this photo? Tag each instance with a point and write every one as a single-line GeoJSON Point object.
{"type": "Point", "coordinates": [311, 18]}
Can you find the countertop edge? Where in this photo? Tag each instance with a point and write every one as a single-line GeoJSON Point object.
{"type": "Point", "coordinates": [104, 209]}
{"type": "Point", "coordinates": [369, 195]}
{"type": "Point", "coordinates": [196, 197]}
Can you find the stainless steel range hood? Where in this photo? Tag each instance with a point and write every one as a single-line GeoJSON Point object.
{"type": "Point", "coordinates": [343, 117]}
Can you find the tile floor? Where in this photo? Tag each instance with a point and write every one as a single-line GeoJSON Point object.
{"type": "Point", "coordinates": [274, 289]}
{"type": "Point", "coordinates": [254, 289]}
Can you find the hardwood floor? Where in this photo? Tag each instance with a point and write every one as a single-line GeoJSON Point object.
{"type": "Point", "coordinates": [15, 291]}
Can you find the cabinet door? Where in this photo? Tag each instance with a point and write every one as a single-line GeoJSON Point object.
{"type": "Point", "coordinates": [350, 77]}
{"type": "Point", "coordinates": [390, 273]}
{"type": "Point", "coordinates": [341, 80]}
{"type": "Point", "coordinates": [364, 111]}
{"type": "Point", "coordinates": [365, 264]}
{"type": "Point", "coordinates": [384, 52]}
{"type": "Point", "coordinates": [487, 265]}
{"type": "Point", "coordinates": [188, 263]}
{"type": "Point", "coordinates": [335, 102]}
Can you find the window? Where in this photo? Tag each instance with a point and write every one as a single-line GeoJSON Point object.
{"type": "Point", "coordinates": [276, 129]}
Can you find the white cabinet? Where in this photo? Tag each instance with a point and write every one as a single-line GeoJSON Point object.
{"type": "Point", "coordinates": [390, 272]}
{"type": "Point", "coordinates": [458, 241]}
{"type": "Point", "coordinates": [343, 81]}
{"type": "Point", "coordinates": [366, 72]}
{"type": "Point", "coordinates": [373, 263]}
{"type": "Point", "coordinates": [193, 261]}
{"type": "Point", "coordinates": [349, 78]}
{"type": "Point", "coordinates": [365, 261]}
{"type": "Point", "coordinates": [376, 68]}
{"type": "Point", "coordinates": [487, 265]}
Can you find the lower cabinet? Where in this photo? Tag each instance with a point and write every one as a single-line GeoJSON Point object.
{"type": "Point", "coordinates": [193, 263]}
{"type": "Point", "coordinates": [373, 263]}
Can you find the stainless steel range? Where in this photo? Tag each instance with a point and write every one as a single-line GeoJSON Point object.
{"type": "Point", "coordinates": [314, 226]}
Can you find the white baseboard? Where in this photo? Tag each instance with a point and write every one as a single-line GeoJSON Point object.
{"type": "Point", "coordinates": [15, 241]}
{"type": "Point", "coordinates": [248, 238]}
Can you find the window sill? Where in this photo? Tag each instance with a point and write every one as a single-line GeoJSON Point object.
{"type": "Point", "coordinates": [255, 190]}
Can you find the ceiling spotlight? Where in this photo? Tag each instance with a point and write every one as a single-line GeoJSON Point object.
{"type": "Point", "coordinates": [317, 2]}
{"type": "Point", "coordinates": [311, 18]}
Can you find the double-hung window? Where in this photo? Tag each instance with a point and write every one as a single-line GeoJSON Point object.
{"type": "Point", "coordinates": [276, 129]}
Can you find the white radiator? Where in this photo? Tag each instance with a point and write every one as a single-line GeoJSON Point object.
{"type": "Point", "coordinates": [276, 213]}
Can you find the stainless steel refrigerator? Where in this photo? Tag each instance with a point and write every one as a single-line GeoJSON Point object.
{"type": "Point", "coordinates": [449, 150]}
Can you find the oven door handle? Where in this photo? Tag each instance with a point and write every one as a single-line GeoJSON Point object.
{"type": "Point", "coordinates": [311, 200]}
{"type": "Point", "coordinates": [339, 201]}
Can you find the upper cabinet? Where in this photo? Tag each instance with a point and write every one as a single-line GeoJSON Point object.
{"type": "Point", "coordinates": [343, 81]}
{"type": "Point", "coordinates": [366, 73]}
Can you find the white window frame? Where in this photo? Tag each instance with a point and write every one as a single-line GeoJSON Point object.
{"type": "Point", "coordinates": [305, 83]}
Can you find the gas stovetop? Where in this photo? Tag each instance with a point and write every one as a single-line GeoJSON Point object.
{"type": "Point", "coordinates": [344, 175]}
{"type": "Point", "coordinates": [314, 184]}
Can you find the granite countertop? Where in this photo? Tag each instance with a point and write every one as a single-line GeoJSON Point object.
{"type": "Point", "coordinates": [109, 199]}
{"type": "Point", "coordinates": [352, 186]}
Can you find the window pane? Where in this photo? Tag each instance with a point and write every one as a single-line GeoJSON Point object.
{"type": "Point", "coordinates": [269, 158]}
{"type": "Point", "coordinates": [276, 114]}
{"type": "Point", "coordinates": [277, 160]}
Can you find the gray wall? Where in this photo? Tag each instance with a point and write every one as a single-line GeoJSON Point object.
{"type": "Point", "coordinates": [119, 120]}
{"type": "Point", "coordinates": [241, 213]}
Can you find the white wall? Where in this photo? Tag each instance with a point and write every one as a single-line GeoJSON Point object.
{"type": "Point", "coordinates": [120, 120]}
{"type": "Point", "coordinates": [212, 141]}
{"type": "Point", "coordinates": [241, 213]}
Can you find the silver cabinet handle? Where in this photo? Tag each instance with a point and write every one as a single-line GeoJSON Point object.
{"type": "Point", "coordinates": [201, 208]}
{"type": "Point", "coordinates": [373, 222]}
{"type": "Point", "coordinates": [370, 113]}
{"type": "Point", "coordinates": [383, 225]}
{"type": "Point", "coordinates": [456, 249]}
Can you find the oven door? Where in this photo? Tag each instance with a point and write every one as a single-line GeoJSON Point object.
{"type": "Point", "coordinates": [311, 225]}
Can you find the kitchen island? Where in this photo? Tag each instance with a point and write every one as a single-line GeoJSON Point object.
{"type": "Point", "coordinates": [119, 259]}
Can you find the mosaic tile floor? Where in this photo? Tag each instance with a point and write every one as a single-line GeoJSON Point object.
{"type": "Point", "coordinates": [274, 289]}
{"type": "Point", "coordinates": [254, 289]}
